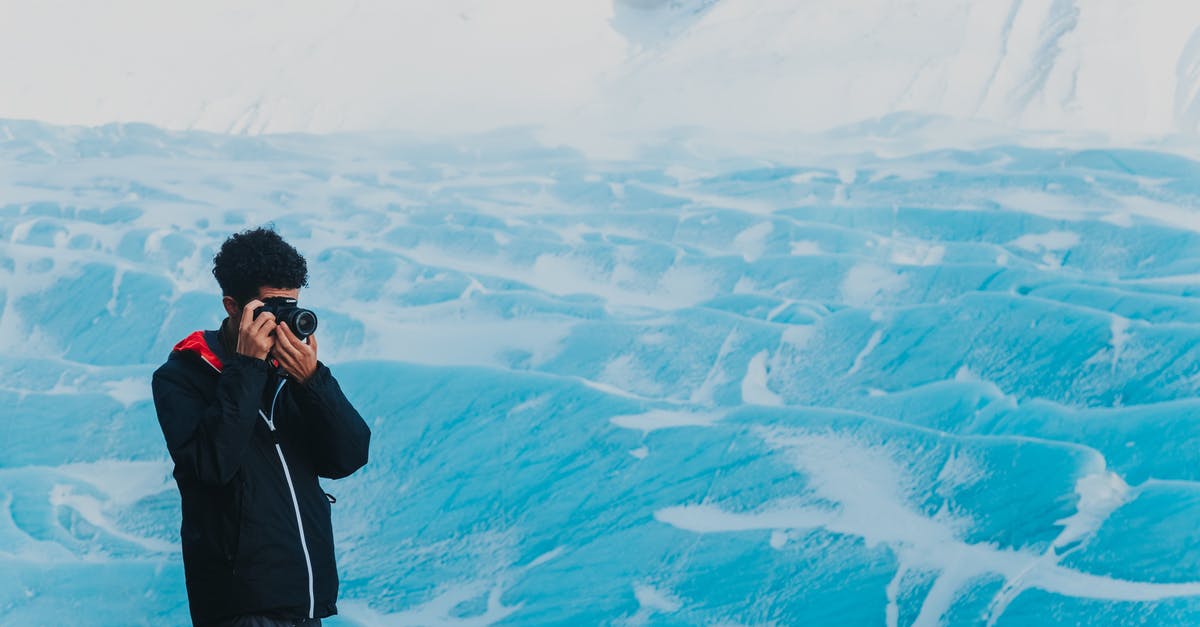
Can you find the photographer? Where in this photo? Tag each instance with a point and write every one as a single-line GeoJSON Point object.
{"type": "Point", "coordinates": [251, 419]}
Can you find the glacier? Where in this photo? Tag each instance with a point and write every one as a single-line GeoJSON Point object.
{"type": "Point", "coordinates": [674, 312]}
{"type": "Point", "coordinates": [688, 386]}
{"type": "Point", "coordinates": [1114, 67]}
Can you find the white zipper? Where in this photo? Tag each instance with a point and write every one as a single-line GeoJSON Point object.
{"type": "Point", "coordinates": [295, 503]}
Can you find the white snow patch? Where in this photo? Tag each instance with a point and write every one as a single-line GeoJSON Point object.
{"type": "Point", "coordinates": [1100, 494]}
{"type": "Point", "coordinates": [1047, 242]}
{"type": "Point", "coordinates": [656, 419]}
{"type": "Point", "coordinates": [652, 598]}
{"type": "Point", "coordinates": [867, 283]}
{"type": "Point", "coordinates": [1119, 329]}
{"type": "Point", "coordinates": [753, 241]}
{"type": "Point", "coordinates": [917, 254]}
{"type": "Point", "coordinates": [438, 611]}
{"type": "Point", "coordinates": [779, 539]}
{"type": "Point", "coordinates": [129, 391]}
{"type": "Point", "coordinates": [862, 490]}
{"type": "Point", "coordinates": [124, 482]}
{"type": "Point", "coordinates": [797, 335]}
{"type": "Point", "coordinates": [754, 384]}
{"type": "Point", "coordinates": [806, 248]}
{"type": "Point", "coordinates": [872, 342]}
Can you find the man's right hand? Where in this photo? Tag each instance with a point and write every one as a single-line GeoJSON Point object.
{"type": "Point", "coordinates": [256, 336]}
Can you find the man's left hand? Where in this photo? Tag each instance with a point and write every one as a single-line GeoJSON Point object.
{"type": "Point", "coordinates": [298, 358]}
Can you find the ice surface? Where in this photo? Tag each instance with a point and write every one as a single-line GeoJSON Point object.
{"type": "Point", "coordinates": [686, 387]}
{"type": "Point", "coordinates": [592, 67]}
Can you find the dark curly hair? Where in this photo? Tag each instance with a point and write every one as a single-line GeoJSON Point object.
{"type": "Point", "coordinates": [255, 258]}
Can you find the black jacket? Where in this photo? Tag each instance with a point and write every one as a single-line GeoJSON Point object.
{"type": "Point", "coordinates": [247, 490]}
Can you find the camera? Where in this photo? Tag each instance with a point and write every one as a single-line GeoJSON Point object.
{"type": "Point", "coordinates": [302, 322]}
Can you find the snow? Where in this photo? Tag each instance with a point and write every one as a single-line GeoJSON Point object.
{"type": "Point", "coordinates": [678, 311]}
{"type": "Point", "coordinates": [568, 385]}
{"type": "Point", "coordinates": [1101, 67]}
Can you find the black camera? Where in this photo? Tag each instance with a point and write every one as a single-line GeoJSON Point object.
{"type": "Point", "coordinates": [302, 322]}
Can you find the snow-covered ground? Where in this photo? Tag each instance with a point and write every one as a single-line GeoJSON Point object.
{"type": "Point", "coordinates": [723, 312]}
{"type": "Point", "coordinates": [952, 387]}
{"type": "Point", "coordinates": [1115, 67]}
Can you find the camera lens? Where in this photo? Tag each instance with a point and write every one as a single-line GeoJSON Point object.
{"type": "Point", "coordinates": [305, 323]}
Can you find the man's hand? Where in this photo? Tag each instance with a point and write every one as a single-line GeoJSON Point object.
{"type": "Point", "coordinates": [255, 335]}
{"type": "Point", "coordinates": [298, 358]}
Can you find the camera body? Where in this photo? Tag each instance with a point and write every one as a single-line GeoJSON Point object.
{"type": "Point", "coordinates": [302, 322]}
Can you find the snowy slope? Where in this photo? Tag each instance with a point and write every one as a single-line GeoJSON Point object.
{"type": "Point", "coordinates": [303, 65]}
{"type": "Point", "coordinates": [1101, 64]}
{"type": "Point", "coordinates": [1130, 69]}
{"type": "Point", "coordinates": [761, 372]}
{"type": "Point", "coordinates": [950, 388]}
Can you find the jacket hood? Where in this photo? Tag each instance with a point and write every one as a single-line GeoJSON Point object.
{"type": "Point", "coordinates": [206, 345]}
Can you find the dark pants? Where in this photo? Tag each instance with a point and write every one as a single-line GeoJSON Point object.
{"type": "Point", "coordinates": [267, 621]}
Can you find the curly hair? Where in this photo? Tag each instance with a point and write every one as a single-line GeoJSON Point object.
{"type": "Point", "coordinates": [255, 258]}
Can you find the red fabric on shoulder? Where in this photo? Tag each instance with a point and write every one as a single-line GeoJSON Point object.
{"type": "Point", "coordinates": [195, 343]}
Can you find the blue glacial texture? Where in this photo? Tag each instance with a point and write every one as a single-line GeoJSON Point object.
{"type": "Point", "coordinates": [954, 387]}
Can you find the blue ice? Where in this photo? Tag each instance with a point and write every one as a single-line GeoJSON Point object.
{"type": "Point", "coordinates": [953, 387]}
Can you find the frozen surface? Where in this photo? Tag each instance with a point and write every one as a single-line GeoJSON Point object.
{"type": "Point", "coordinates": [954, 387]}
{"type": "Point", "coordinates": [1109, 66]}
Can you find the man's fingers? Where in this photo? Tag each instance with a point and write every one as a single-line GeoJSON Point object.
{"type": "Point", "coordinates": [285, 343]}
{"type": "Point", "coordinates": [285, 359]}
{"type": "Point", "coordinates": [287, 334]}
{"type": "Point", "coordinates": [265, 319]}
{"type": "Point", "coordinates": [290, 361]}
{"type": "Point", "coordinates": [297, 343]}
{"type": "Point", "coordinates": [312, 341]}
{"type": "Point", "coordinates": [248, 312]}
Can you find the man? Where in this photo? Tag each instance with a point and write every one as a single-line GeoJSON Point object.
{"type": "Point", "coordinates": [251, 419]}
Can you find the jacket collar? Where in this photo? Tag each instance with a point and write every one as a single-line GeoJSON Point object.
{"type": "Point", "coordinates": [206, 345]}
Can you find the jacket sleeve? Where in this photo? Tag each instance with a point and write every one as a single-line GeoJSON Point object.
{"type": "Point", "coordinates": [208, 441]}
{"type": "Point", "coordinates": [338, 437]}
